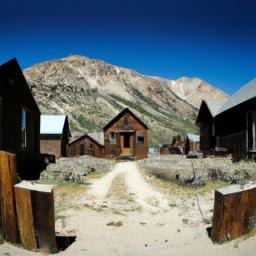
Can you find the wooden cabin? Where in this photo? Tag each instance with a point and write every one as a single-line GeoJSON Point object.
{"type": "Point", "coordinates": [19, 120]}
{"type": "Point", "coordinates": [192, 143]}
{"type": "Point", "coordinates": [54, 135]}
{"type": "Point", "coordinates": [126, 135]}
{"type": "Point", "coordinates": [87, 145]}
{"type": "Point", "coordinates": [205, 120]}
{"type": "Point", "coordinates": [236, 123]}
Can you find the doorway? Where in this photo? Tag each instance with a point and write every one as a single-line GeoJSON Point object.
{"type": "Point", "coordinates": [126, 141]}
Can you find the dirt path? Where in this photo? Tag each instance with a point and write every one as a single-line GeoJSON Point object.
{"type": "Point", "coordinates": [135, 185]}
{"type": "Point", "coordinates": [120, 214]}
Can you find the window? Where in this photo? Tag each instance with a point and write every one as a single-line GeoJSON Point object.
{"type": "Point", "coordinates": [24, 130]}
{"type": "Point", "coordinates": [90, 146]}
{"type": "Point", "coordinates": [112, 139]}
{"type": "Point", "coordinates": [251, 132]}
{"type": "Point", "coordinates": [139, 137]}
{"type": "Point", "coordinates": [126, 119]}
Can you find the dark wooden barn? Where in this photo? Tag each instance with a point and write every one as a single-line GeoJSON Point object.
{"type": "Point", "coordinates": [87, 145]}
{"type": "Point", "coordinates": [236, 123]}
{"type": "Point", "coordinates": [233, 126]}
{"type": "Point", "coordinates": [54, 135]}
{"type": "Point", "coordinates": [19, 120]}
{"type": "Point", "coordinates": [206, 122]}
{"type": "Point", "coordinates": [126, 136]}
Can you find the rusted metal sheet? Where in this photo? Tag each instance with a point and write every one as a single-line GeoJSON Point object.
{"type": "Point", "coordinates": [7, 200]}
{"type": "Point", "coordinates": [234, 208]}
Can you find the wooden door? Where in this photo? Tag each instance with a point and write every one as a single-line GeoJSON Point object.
{"type": "Point", "coordinates": [126, 144]}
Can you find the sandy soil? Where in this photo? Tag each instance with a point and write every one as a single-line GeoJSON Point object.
{"type": "Point", "coordinates": [126, 214]}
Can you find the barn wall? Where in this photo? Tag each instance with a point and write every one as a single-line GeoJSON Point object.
{"type": "Point", "coordinates": [16, 96]}
{"type": "Point", "coordinates": [232, 214]}
{"type": "Point", "coordinates": [112, 150]}
{"type": "Point", "coordinates": [231, 128]}
{"type": "Point", "coordinates": [51, 146]}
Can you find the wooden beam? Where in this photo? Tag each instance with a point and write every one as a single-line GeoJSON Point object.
{"type": "Point", "coordinates": [7, 198]}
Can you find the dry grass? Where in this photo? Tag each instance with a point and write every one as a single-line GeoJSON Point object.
{"type": "Point", "coordinates": [67, 195]}
{"type": "Point", "coordinates": [115, 224]}
{"type": "Point", "coordinates": [118, 190]}
{"type": "Point", "coordinates": [173, 188]}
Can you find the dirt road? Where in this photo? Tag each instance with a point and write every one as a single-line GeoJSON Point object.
{"type": "Point", "coordinates": [121, 214]}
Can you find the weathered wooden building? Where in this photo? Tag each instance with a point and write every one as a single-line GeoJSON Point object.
{"type": "Point", "coordinates": [192, 143]}
{"type": "Point", "coordinates": [126, 135]}
{"type": "Point", "coordinates": [87, 145]}
{"type": "Point", "coordinates": [54, 135]}
{"type": "Point", "coordinates": [206, 122]}
{"type": "Point", "coordinates": [234, 212]}
{"type": "Point", "coordinates": [234, 124]}
{"type": "Point", "coordinates": [19, 120]}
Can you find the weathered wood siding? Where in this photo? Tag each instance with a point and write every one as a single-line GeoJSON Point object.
{"type": "Point", "coordinates": [233, 214]}
{"type": "Point", "coordinates": [15, 95]}
{"type": "Point", "coordinates": [90, 147]}
{"type": "Point", "coordinates": [113, 150]}
{"type": "Point", "coordinates": [50, 145]}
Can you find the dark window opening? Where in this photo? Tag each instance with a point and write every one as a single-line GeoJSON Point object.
{"type": "Point", "coordinates": [251, 124]}
{"type": "Point", "coordinates": [90, 146]}
{"type": "Point", "coordinates": [126, 140]}
{"type": "Point", "coordinates": [126, 119]}
{"type": "Point", "coordinates": [140, 137]}
{"type": "Point", "coordinates": [81, 149]}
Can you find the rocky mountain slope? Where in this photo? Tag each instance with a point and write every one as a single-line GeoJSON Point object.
{"type": "Point", "coordinates": [92, 92]}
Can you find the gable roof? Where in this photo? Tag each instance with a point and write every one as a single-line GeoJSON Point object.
{"type": "Point", "coordinates": [245, 93]}
{"type": "Point", "coordinates": [11, 69]}
{"type": "Point", "coordinates": [97, 136]}
{"type": "Point", "coordinates": [52, 124]}
{"type": "Point", "coordinates": [120, 115]}
{"type": "Point", "coordinates": [88, 136]}
{"type": "Point", "coordinates": [213, 107]}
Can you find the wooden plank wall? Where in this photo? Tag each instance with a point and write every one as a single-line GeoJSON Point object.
{"type": "Point", "coordinates": [233, 214]}
{"type": "Point", "coordinates": [9, 226]}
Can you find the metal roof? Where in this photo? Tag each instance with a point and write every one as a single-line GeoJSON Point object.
{"type": "Point", "coordinates": [97, 136]}
{"type": "Point", "coordinates": [193, 137]}
{"type": "Point", "coordinates": [214, 106]}
{"type": "Point", "coordinates": [247, 92]}
{"type": "Point", "coordinates": [52, 124]}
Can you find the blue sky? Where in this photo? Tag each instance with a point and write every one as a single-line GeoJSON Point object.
{"type": "Point", "coordinates": [212, 40]}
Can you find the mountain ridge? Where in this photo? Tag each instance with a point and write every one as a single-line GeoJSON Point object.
{"type": "Point", "coordinates": [93, 91]}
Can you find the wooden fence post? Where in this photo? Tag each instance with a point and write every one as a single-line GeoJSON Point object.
{"type": "Point", "coordinates": [7, 200]}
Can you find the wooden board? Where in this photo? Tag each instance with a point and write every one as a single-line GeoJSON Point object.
{"type": "Point", "coordinates": [233, 211]}
{"type": "Point", "coordinates": [43, 212]}
{"type": "Point", "coordinates": [35, 208]}
{"type": "Point", "coordinates": [25, 218]}
{"type": "Point", "coordinates": [7, 200]}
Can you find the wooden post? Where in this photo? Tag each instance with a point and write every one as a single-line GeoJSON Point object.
{"type": "Point", "coordinates": [7, 199]}
{"type": "Point", "coordinates": [35, 211]}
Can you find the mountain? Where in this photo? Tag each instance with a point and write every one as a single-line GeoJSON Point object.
{"type": "Point", "coordinates": [92, 92]}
